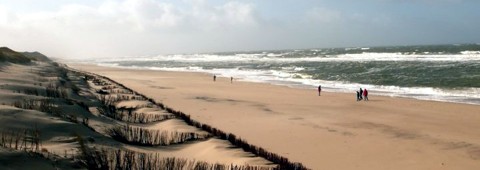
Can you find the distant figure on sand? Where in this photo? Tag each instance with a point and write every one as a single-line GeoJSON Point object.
{"type": "Point", "coordinates": [365, 95]}
{"type": "Point", "coordinates": [319, 89]}
{"type": "Point", "coordinates": [358, 96]}
{"type": "Point", "coordinates": [214, 77]}
{"type": "Point", "coordinates": [231, 79]}
{"type": "Point", "coordinates": [361, 93]}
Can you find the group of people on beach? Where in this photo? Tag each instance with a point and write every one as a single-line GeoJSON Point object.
{"type": "Point", "coordinates": [362, 94]}
{"type": "Point", "coordinates": [215, 78]}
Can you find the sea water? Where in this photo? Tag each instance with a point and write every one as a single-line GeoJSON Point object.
{"type": "Point", "coordinates": [448, 73]}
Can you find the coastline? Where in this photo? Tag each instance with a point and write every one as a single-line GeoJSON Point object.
{"type": "Point", "coordinates": [332, 131]}
{"type": "Point", "coordinates": [432, 93]}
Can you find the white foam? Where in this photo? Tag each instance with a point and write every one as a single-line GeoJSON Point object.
{"type": "Point", "coordinates": [404, 57]}
{"type": "Point", "coordinates": [470, 52]}
{"type": "Point", "coordinates": [270, 57]}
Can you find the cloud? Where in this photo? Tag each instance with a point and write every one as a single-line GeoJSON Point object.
{"type": "Point", "coordinates": [323, 15]}
{"type": "Point", "coordinates": [227, 16]}
{"type": "Point", "coordinates": [149, 13]}
{"type": "Point", "coordinates": [128, 27]}
{"type": "Point", "coordinates": [238, 13]}
{"type": "Point", "coordinates": [113, 28]}
{"type": "Point", "coordinates": [4, 15]}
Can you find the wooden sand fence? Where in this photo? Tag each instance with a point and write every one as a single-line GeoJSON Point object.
{"type": "Point", "coordinates": [26, 139]}
{"type": "Point", "coordinates": [113, 159]}
{"type": "Point", "coordinates": [152, 137]}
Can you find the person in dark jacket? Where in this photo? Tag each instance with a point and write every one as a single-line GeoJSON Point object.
{"type": "Point", "coordinates": [361, 93]}
{"type": "Point", "coordinates": [358, 96]}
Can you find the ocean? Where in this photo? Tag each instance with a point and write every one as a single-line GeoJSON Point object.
{"type": "Point", "coordinates": [449, 73]}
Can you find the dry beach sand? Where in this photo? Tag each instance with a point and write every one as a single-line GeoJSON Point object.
{"type": "Point", "coordinates": [332, 131]}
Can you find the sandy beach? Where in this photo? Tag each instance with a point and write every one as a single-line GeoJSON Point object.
{"type": "Point", "coordinates": [331, 131]}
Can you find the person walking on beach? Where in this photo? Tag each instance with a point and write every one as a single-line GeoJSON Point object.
{"type": "Point", "coordinates": [358, 96]}
{"type": "Point", "coordinates": [214, 77]}
{"type": "Point", "coordinates": [361, 93]}
{"type": "Point", "coordinates": [231, 79]}
{"type": "Point", "coordinates": [365, 94]}
{"type": "Point", "coordinates": [319, 89]}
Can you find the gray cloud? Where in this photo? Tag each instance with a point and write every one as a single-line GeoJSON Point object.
{"type": "Point", "coordinates": [130, 27]}
{"type": "Point", "coordinates": [116, 28]}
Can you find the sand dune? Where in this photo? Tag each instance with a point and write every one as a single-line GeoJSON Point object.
{"type": "Point", "coordinates": [11, 159]}
{"type": "Point", "coordinates": [47, 113]}
{"type": "Point", "coordinates": [207, 151]}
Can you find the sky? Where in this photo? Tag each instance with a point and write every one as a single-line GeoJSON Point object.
{"type": "Point", "coordinates": [118, 28]}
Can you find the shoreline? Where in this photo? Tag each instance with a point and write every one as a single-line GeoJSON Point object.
{"type": "Point", "coordinates": [299, 85]}
{"type": "Point", "coordinates": [332, 131]}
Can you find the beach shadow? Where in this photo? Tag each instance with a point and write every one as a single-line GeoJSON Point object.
{"type": "Point", "coordinates": [386, 129]}
{"type": "Point", "coordinates": [295, 118]}
{"type": "Point", "coordinates": [472, 150]}
{"type": "Point", "coordinates": [329, 129]}
{"type": "Point", "coordinates": [457, 145]}
{"type": "Point", "coordinates": [212, 99]}
{"type": "Point", "coordinates": [474, 153]}
{"type": "Point", "coordinates": [260, 106]}
{"type": "Point", "coordinates": [162, 87]}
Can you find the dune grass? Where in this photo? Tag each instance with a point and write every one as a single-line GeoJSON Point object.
{"type": "Point", "coordinates": [150, 137]}
{"type": "Point", "coordinates": [112, 159]}
{"type": "Point", "coordinates": [26, 139]}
